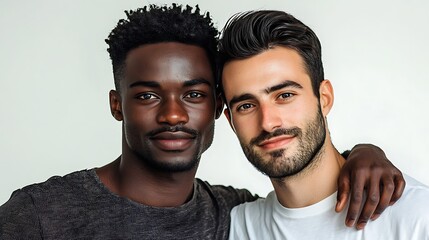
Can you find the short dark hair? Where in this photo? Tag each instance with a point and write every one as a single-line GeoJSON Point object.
{"type": "Point", "coordinates": [250, 33]}
{"type": "Point", "coordinates": [156, 24]}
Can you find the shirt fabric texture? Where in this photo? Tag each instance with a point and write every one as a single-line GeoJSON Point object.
{"type": "Point", "coordinates": [407, 219]}
{"type": "Point", "coordinates": [79, 206]}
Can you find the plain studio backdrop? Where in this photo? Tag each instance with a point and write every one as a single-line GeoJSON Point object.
{"type": "Point", "coordinates": [56, 74]}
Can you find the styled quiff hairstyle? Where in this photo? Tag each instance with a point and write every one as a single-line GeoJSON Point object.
{"type": "Point", "coordinates": [155, 24]}
{"type": "Point", "coordinates": [250, 33]}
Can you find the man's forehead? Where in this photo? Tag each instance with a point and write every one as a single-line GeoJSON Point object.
{"type": "Point", "coordinates": [181, 83]}
{"type": "Point", "coordinates": [264, 71]}
{"type": "Point", "coordinates": [169, 63]}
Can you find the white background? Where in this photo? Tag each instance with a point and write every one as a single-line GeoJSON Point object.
{"type": "Point", "coordinates": [55, 76]}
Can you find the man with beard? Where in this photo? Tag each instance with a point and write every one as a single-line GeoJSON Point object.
{"type": "Point", "coordinates": [164, 60]}
{"type": "Point", "coordinates": [277, 103]}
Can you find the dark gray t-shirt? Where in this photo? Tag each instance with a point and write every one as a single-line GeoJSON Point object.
{"type": "Point", "coordinates": [79, 206]}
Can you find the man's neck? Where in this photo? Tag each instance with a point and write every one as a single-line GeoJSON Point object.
{"type": "Point", "coordinates": [138, 183]}
{"type": "Point", "coordinates": [313, 184]}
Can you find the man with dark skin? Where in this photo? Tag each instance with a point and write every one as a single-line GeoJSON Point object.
{"type": "Point", "coordinates": [164, 64]}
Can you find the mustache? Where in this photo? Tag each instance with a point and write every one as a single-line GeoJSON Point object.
{"type": "Point", "coordinates": [177, 128]}
{"type": "Point", "coordinates": [280, 131]}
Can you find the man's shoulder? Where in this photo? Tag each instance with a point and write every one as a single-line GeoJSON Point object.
{"type": "Point", "coordinates": [249, 219]}
{"type": "Point", "coordinates": [255, 209]}
{"type": "Point", "coordinates": [412, 206]}
{"type": "Point", "coordinates": [19, 216]}
{"type": "Point", "coordinates": [408, 218]}
{"type": "Point", "coordinates": [415, 192]}
{"type": "Point", "coordinates": [60, 183]}
{"type": "Point", "coordinates": [56, 190]}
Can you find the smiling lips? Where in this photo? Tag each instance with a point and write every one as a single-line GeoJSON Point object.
{"type": "Point", "coordinates": [173, 141]}
{"type": "Point", "coordinates": [276, 142]}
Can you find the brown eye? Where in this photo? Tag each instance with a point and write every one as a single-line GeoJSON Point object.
{"type": "Point", "coordinates": [286, 95]}
{"type": "Point", "coordinates": [244, 107]}
{"type": "Point", "coordinates": [147, 96]}
{"type": "Point", "coordinates": [194, 95]}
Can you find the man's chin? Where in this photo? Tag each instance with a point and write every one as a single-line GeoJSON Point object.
{"type": "Point", "coordinates": [176, 164]}
{"type": "Point", "coordinates": [276, 164]}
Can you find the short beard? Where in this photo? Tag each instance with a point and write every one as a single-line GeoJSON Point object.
{"type": "Point", "coordinates": [309, 149]}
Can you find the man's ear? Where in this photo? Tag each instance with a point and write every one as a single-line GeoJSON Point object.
{"type": "Point", "coordinates": [115, 105]}
{"type": "Point", "coordinates": [228, 116]}
{"type": "Point", "coordinates": [219, 105]}
{"type": "Point", "coordinates": [326, 96]}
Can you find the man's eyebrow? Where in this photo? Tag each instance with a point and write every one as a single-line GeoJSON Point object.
{"type": "Point", "coordinates": [287, 83]}
{"type": "Point", "coordinates": [240, 98]}
{"type": "Point", "coordinates": [196, 81]}
{"type": "Point", "coordinates": [151, 84]}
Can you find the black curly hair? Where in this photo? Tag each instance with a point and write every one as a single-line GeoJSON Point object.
{"type": "Point", "coordinates": [154, 24]}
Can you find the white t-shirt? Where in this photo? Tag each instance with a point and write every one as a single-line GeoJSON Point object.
{"type": "Point", "coordinates": [407, 219]}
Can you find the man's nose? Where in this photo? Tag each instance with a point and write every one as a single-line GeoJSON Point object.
{"type": "Point", "coordinates": [172, 112]}
{"type": "Point", "coordinates": [270, 118]}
